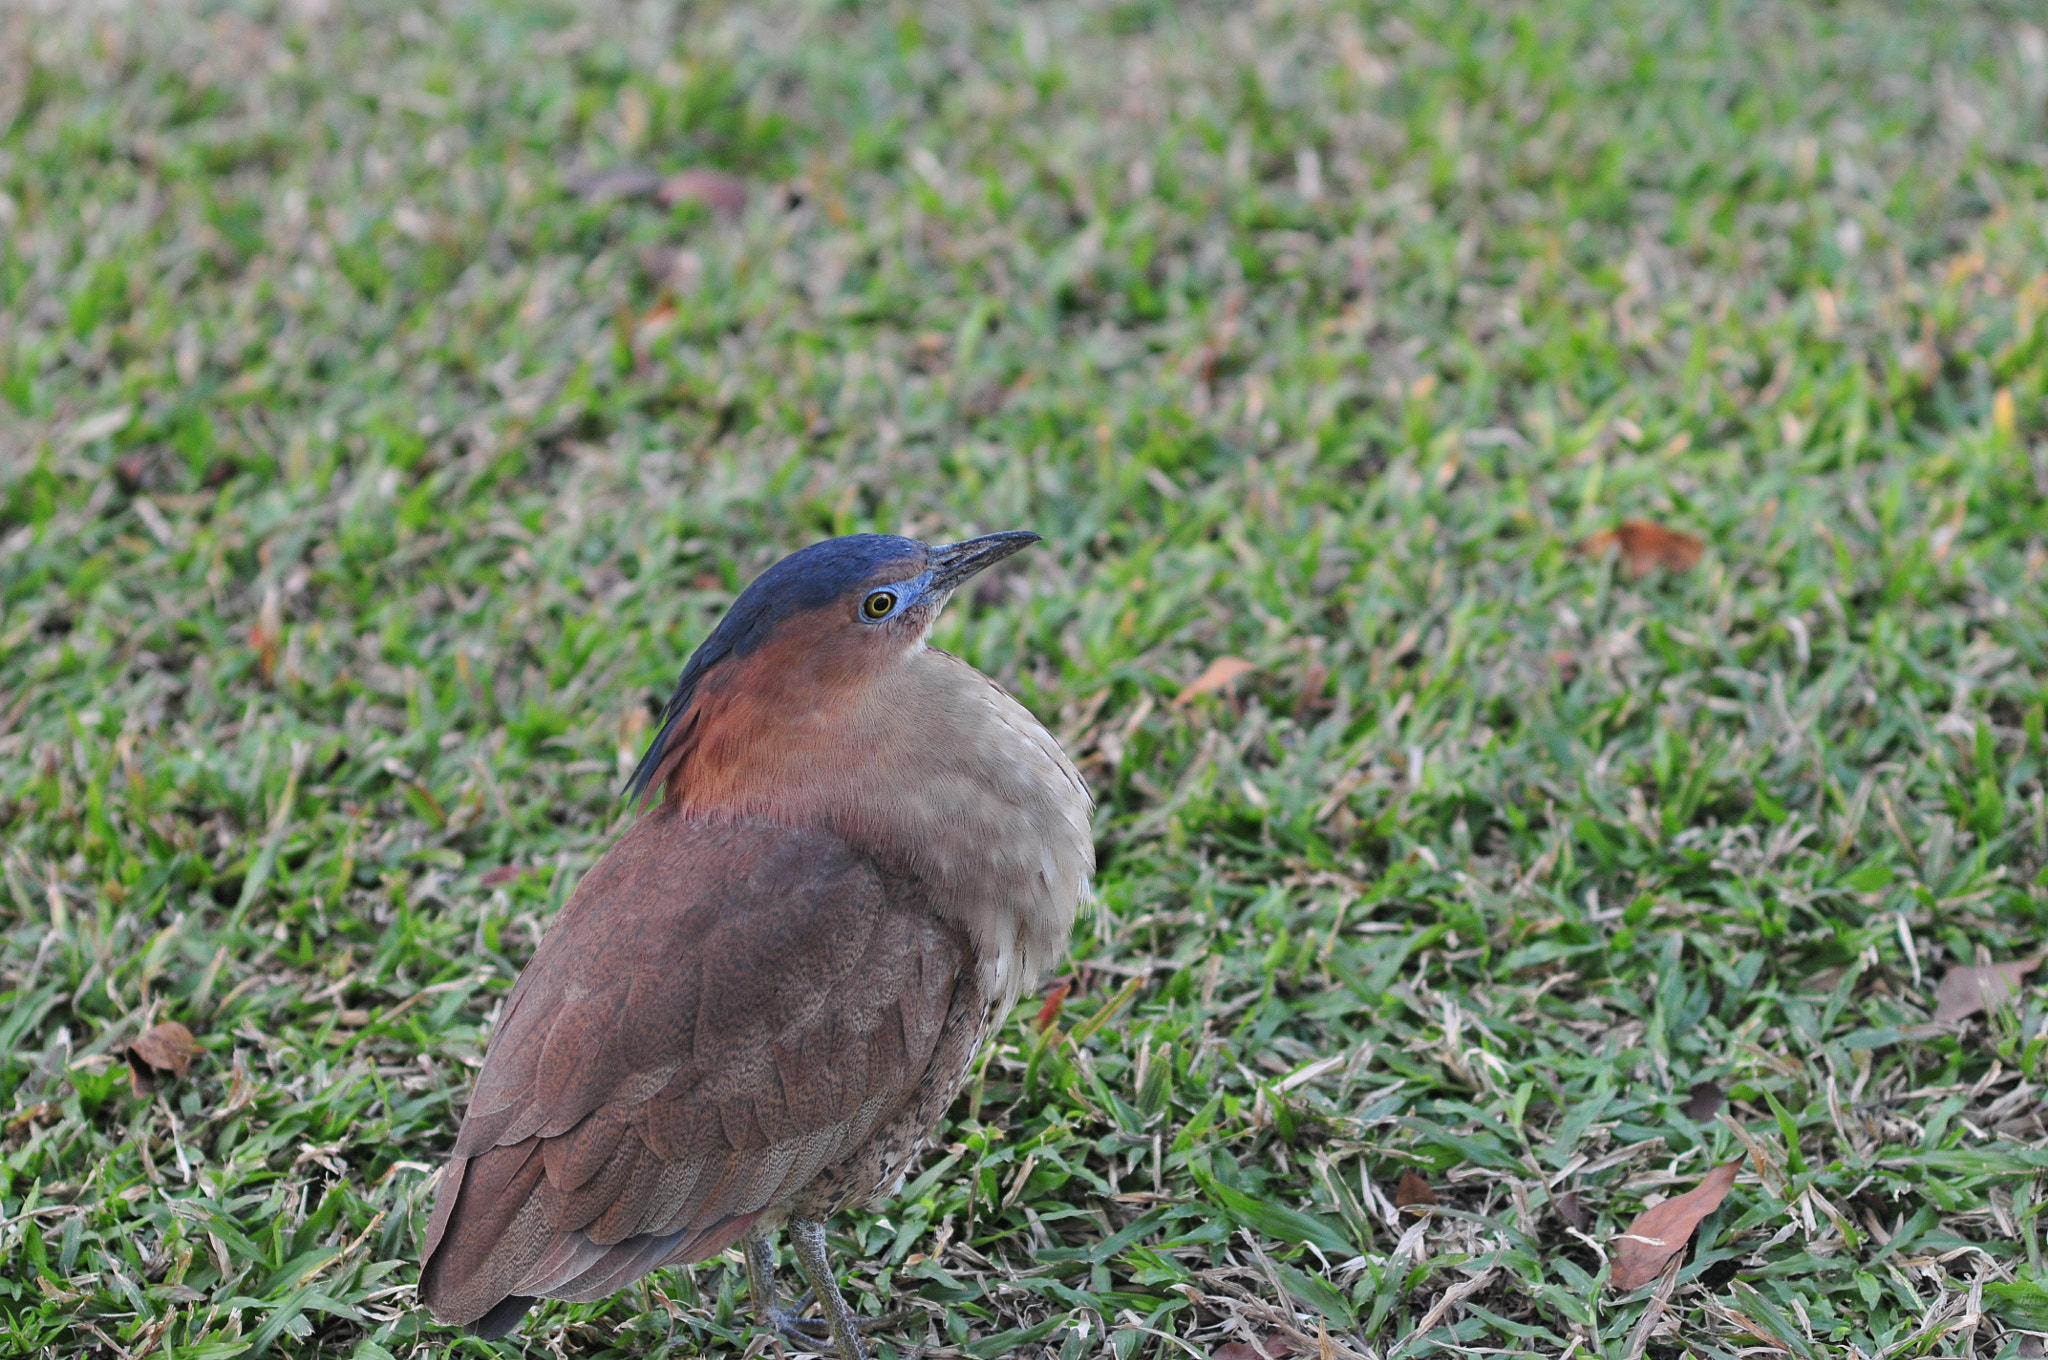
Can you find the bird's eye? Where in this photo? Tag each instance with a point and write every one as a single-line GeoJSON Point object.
{"type": "Point", "coordinates": [878, 605]}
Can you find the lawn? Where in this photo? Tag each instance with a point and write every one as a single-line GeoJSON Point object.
{"type": "Point", "coordinates": [391, 398]}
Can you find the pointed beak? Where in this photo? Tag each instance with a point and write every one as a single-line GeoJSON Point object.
{"type": "Point", "coordinates": [952, 563]}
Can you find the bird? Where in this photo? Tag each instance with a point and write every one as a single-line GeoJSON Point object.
{"type": "Point", "coordinates": [854, 853]}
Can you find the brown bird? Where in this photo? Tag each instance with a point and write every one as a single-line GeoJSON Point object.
{"type": "Point", "coordinates": [758, 1004]}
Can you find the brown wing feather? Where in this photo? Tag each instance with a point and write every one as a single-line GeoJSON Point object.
{"type": "Point", "coordinates": [720, 1013]}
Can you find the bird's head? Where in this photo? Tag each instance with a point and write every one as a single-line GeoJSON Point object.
{"type": "Point", "coordinates": [833, 615]}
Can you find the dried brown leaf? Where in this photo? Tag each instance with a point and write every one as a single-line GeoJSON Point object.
{"type": "Point", "coordinates": [1268, 1348]}
{"type": "Point", "coordinates": [674, 269]}
{"type": "Point", "coordinates": [1826, 980]}
{"type": "Point", "coordinates": [1660, 1233]}
{"type": "Point", "coordinates": [1704, 1100]}
{"type": "Point", "coordinates": [1412, 1190]}
{"type": "Point", "coordinates": [713, 188]}
{"type": "Point", "coordinates": [1223, 672]}
{"type": "Point", "coordinates": [168, 1047]}
{"type": "Point", "coordinates": [1965, 991]}
{"type": "Point", "coordinates": [612, 182]}
{"type": "Point", "coordinates": [1573, 1212]}
{"type": "Point", "coordinates": [1646, 546]}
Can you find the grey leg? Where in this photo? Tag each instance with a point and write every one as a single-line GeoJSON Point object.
{"type": "Point", "coordinates": [807, 1236]}
{"type": "Point", "coordinates": [760, 1249]}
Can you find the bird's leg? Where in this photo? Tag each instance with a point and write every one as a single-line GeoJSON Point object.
{"type": "Point", "coordinates": [807, 1236]}
{"type": "Point", "coordinates": [760, 1249]}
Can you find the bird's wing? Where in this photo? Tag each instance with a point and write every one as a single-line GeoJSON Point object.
{"type": "Point", "coordinates": [720, 1013]}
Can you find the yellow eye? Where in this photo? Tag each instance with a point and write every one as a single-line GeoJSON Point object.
{"type": "Point", "coordinates": [878, 604]}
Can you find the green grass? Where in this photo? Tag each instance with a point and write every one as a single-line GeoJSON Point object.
{"type": "Point", "coordinates": [364, 489]}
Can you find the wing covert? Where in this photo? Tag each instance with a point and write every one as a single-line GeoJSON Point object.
{"type": "Point", "coordinates": [719, 1013]}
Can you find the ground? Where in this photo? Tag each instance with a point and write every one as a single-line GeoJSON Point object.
{"type": "Point", "coordinates": [390, 399]}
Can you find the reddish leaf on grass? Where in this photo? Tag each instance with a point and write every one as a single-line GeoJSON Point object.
{"type": "Point", "coordinates": [675, 269]}
{"type": "Point", "coordinates": [1222, 673]}
{"type": "Point", "coordinates": [713, 188]}
{"type": "Point", "coordinates": [1646, 547]}
{"type": "Point", "coordinates": [169, 1047]}
{"type": "Point", "coordinates": [1268, 1348]}
{"type": "Point", "coordinates": [1658, 1234]}
{"type": "Point", "coordinates": [612, 182]}
{"type": "Point", "coordinates": [1049, 1013]}
{"type": "Point", "coordinates": [1826, 980]}
{"type": "Point", "coordinates": [1412, 1190]}
{"type": "Point", "coordinates": [504, 873]}
{"type": "Point", "coordinates": [1703, 1101]}
{"type": "Point", "coordinates": [1965, 991]}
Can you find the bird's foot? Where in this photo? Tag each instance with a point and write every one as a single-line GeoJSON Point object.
{"type": "Point", "coordinates": [809, 1333]}
{"type": "Point", "coordinates": [792, 1323]}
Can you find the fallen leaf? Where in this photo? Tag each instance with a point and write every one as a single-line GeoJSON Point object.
{"type": "Point", "coordinates": [1658, 1234]}
{"type": "Point", "coordinates": [1412, 1190]}
{"type": "Point", "coordinates": [1573, 1212]}
{"type": "Point", "coordinates": [1826, 980]}
{"type": "Point", "coordinates": [504, 873]}
{"type": "Point", "coordinates": [1268, 1348]}
{"type": "Point", "coordinates": [713, 188]}
{"type": "Point", "coordinates": [1965, 991]}
{"type": "Point", "coordinates": [1646, 546]}
{"type": "Point", "coordinates": [612, 183]}
{"type": "Point", "coordinates": [1313, 681]}
{"type": "Point", "coordinates": [1222, 673]}
{"type": "Point", "coordinates": [1049, 1013]}
{"type": "Point", "coordinates": [1705, 1099]}
{"type": "Point", "coordinates": [675, 269]}
{"type": "Point", "coordinates": [169, 1047]}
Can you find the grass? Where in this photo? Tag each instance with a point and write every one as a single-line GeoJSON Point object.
{"type": "Point", "coordinates": [365, 487]}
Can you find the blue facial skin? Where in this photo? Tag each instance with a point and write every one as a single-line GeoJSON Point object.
{"type": "Point", "coordinates": [909, 595]}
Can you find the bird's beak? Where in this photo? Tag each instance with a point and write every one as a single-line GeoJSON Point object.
{"type": "Point", "coordinates": [952, 563]}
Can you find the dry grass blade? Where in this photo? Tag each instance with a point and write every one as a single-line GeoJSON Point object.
{"type": "Point", "coordinates": [1646, 1325]}
{"type": "Point", "coordinates": [1453, 1296]}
